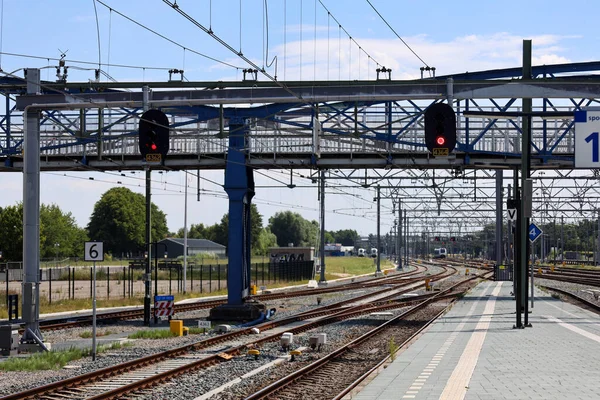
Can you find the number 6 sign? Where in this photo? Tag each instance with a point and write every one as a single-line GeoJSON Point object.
{"type": "Point", "coordinates": [94, 251]}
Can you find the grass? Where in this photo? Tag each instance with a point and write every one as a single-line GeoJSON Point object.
{"type": "Point", "coordinates": [353, 265]}
{"type": "Point", "coordinates": [52, 360]}
{"type": "Point", "coordinates": [152, 334]}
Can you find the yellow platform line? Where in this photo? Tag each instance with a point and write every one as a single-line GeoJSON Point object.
{"type": "Point", "coordinates": [457, 385]}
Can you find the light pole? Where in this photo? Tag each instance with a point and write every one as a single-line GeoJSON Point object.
{"type": "Point", "coordinates": [56, 246]}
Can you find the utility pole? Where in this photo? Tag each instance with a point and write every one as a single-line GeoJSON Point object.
{"type": "Point", "coordinates": [147, 287]}
{"type": "Point", "coordinates": [378, 271]}
{"type": "Point", "coordinates": [525, 175]}
{"type": "Point", "coordinates": [562, 240]}
{"type": "Point", "coordinates": [322, 279]}
{"type": "Point", "coordinates": [399, 238]}
{"type": "Point", "coordinates": [499, 176]}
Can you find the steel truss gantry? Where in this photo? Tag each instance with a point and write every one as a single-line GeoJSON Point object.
{"type": "Point", "coordinates": [362, 124]}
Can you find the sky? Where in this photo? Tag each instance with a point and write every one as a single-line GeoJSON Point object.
{"type": "Point", "coordinates": [306, 38]}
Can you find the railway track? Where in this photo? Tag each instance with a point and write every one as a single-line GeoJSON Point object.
{"type": "Point", "coordinates": [119, 380]}
{"type": "Point", "coordinates": [332, 375]}
{"type": "Point", "coordinates": [179, 308]}
{"type": "Point", "coordinates": [587, 303]}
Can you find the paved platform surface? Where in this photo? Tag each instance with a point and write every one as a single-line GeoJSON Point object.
{"type": "Point", "coordinates": [473, 352]}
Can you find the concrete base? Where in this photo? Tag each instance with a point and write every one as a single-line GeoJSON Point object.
{"type": "Point", "coordinates": [33, 347]}
{"type": "Point", "coordinates": [323, 283]}
{"type": "Point", "coordinates": [378, 273]}
{"type": "Point", "coordinates": [238, 313]}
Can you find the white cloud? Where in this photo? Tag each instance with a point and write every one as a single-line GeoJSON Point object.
{"type": "Point", "coordinates": [470, 52]}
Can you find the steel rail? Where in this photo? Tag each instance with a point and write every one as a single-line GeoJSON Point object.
{"type": "Point", "coordinates": [279, 384]}
{"type": "Point", "coordinates": [151, 359]}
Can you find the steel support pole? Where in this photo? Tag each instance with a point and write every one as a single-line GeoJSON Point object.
{"type": "Point", "coordinates": [525, 174]}
{"type": "Point", "coordinates": [405, 237]}
{"type": "Point", "coordinates": [517, 253]}
{"type": "Point", "coordinates": [399, 236]}
{"type": "Point", "coordinates": [185, 234]}
{"type": "Point", "coordinates": [499, 247]}
{"type": "Point", "coordinates": [378, 272]}
{"type": "Point", "coordinates": [147, 287]}
{"type": "Point", "coordinates": [31, 216]}
{"type": "Point", "coordinates": [509, 235]}
{"type": "Point", "coordinates": [562, 240]}
{"type": "Point", "coordinates": [322, 279]}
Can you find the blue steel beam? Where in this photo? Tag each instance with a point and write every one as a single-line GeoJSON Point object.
{"type": "Point", "coordinates": [239, 185]}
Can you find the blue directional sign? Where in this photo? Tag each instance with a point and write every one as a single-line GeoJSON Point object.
{"type": "Point", "coordinates": [164, 298]}
{"type": "Point", "coordinates": [534, 232]}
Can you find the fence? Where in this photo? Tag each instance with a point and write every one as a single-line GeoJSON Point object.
{"type": "Point", "coordinates": [116, 282]}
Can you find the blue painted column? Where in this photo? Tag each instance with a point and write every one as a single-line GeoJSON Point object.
{"type": "Point", "coordinates": [239, 185]}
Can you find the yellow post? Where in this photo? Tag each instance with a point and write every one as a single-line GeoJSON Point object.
{"type": "Point", "coordinates": [427, 281]}
{"type": "Point", "coordinates": [176, 327]}
{"type": "Point", "coordinates": [253, 290]}
{"type": "Point", "coordinates": [539, 271]}
{"type": "Point", "coordinates": [467, 271]}
{"type": "Point", "coordinates": [552, 268]}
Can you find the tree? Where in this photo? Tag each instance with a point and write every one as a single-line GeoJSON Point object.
{"type": "Point", "coordinates": [347, 237]}
{"type": "Point", "coordinates": [290, 227]}
{"type": "Point", "coordinates": [119, 220]}
{"type": "Point", "coordinates": [59, 234]}
{"type": "Point", "coordinates": [196, 231]}
{"type": "Point", "coordinates": [11, 232]}
{"type": "Point", "coordinates": [264, 241]}
{"type": "Point", "coordinates": [330, 237]}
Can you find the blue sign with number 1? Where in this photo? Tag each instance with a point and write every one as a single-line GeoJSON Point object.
{"type": "Point", "coordinates": [534, 232]}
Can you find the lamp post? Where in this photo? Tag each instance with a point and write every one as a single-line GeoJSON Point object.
{"type": "Point", "coordinates": [56, 246]}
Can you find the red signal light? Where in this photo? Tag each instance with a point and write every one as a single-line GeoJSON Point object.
{"type": "Point", "coordinates": [153, 146]}
{"type": "Point", "coordinates": [440, 140]}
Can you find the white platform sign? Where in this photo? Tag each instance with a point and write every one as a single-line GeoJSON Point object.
{"type": "Point", "coordinates": [512, 214]}
{"type": "Point", "coordinates": [93, 251]}
{"type": "Point", "coordinates": [587, 139]}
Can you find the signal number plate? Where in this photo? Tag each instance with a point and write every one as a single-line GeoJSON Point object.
{"type": "Point", "coordinates": [153, 158]}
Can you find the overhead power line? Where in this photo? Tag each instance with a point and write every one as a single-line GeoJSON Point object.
{"type": "Point", "coordinates": [396, 33]}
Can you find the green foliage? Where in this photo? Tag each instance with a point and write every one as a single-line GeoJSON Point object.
{"type": "Point", "coordinates": [329, 238]}
{"type": "Point", "coordinates": [60, 235]}
{"type": "Point", "coordinates": [11, 232]}
{"type": "Point", "coordinates": [347, 237]}
{"type": "Point", "coordinates": [219, 233]}
{"type": "Point", "coordinates": [119, 219]}
{"type": "Point", "coordinates": [291, 227]}
{"type": "Point", "coordinates": [265, 240]}
{"type": "Point", "coordinates": [152, 334]}
{"type": "Point", "coordinates": [44, 361]}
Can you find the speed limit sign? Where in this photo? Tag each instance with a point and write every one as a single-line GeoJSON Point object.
{"type": "Point", "coordinates": [94, 251]}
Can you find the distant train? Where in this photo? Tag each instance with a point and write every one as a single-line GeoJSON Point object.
{"type": "Point", "coordinates": [361, 252]}
{"type": "Point", "coordinates": [440, 253]}
{"type": "Point", "coordinates": [374, 253]}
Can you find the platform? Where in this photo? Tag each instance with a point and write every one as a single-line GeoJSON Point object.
{"type": "Point", "coordinates": [473, 352]}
